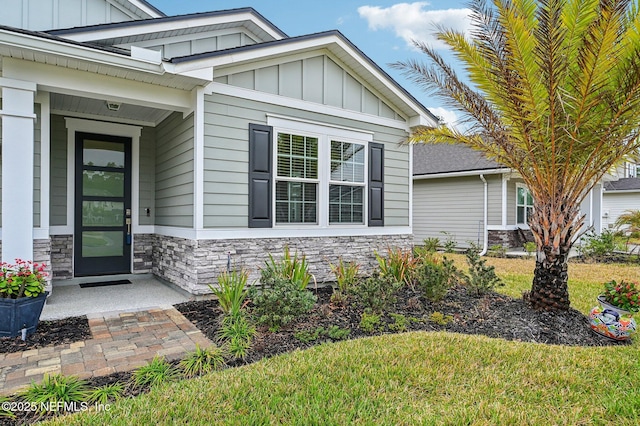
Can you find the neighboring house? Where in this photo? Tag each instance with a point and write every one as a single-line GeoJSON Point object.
{"type": "Point", "coordinates": [133, 142]}
{"type": "Point", "coordinates": [459, 194]}
{"type": "Point", "coordinates": [618, 197]}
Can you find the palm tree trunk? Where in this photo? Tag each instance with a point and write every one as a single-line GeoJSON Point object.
{"type": "Point", "coordinates": [549, 290]}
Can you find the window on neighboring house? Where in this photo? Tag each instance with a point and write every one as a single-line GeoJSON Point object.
{"type": "Point", "coordinates": [524, 205]}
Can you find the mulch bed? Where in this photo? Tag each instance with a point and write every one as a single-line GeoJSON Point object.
{"type": "Point", "coordinates": [492, 315]}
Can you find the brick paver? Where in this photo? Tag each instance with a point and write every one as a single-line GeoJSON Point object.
{"type": "Point", "coordinates": [120, 342]}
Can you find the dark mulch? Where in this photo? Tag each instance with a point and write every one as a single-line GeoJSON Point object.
{"type": "Point", "coordinates": [492, 315]}
{"type": "Point", "coordinates": [68, 330]}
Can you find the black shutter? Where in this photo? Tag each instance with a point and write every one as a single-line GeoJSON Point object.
{"type": "Point", "coordinates": [260, 175]}
{"type": "Point", "coordinates": [376, 184]}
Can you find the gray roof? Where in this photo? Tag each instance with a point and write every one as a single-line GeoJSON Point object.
{"type": "Point", "coordinates": [624, 184]}
{"type": "Point", "coordinates": [447, 158]}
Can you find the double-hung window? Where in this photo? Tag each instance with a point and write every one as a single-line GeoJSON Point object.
{"type": "Point", "coordinates": [321, 176]}
{"type": "Point", "coordinates": [524, 205]}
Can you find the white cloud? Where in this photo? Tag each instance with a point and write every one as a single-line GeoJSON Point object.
{"type": "Point", "coordinates": [412, 21]}
{"type": "Point", "coordinates": [449, 117]}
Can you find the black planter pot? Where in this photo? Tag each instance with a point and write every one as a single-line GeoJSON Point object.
{"type": "Point", "coordinates": [16, 314]}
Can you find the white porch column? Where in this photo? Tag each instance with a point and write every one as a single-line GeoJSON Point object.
{"type": "Point", "coordinates": [17, 168]}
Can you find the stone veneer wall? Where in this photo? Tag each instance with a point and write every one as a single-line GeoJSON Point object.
{"type": "Point", "coordinates": [192, 264]}
{"type": "Point", "coordinates": [62, 256]}
{"type": "Point", "coordinates": [143, 253]}
{"type": "Point", "coordinates": [509, 239]}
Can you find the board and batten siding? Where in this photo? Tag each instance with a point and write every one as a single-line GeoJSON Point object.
{"type": "Point", "coordinates": [317, 79]}
{"type": "Point", "coordinates": [226, 159]}
{"type": "Point", "coordinates": [174, 49]}
{"type": "Point", "coordinates": [52, 14]}
{"type": "Point", "coordinates": [58, 172]}
{"type": "Point", "coordinates": [455, 206]}
{"type": "Point", "coordinates": [174, 171]}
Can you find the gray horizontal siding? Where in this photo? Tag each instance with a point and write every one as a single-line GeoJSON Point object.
{"type": "Point", "coordinates": [226, 159]}
{"type": "Point", "coordinates": [146, 197]}
{"type": "Point", "coordinates": [452, 205]}
{"type": "Point", "coordinates": [37, 149]}
{"type": "Point", "coordinates": [58, 179]}
{"type": "Point", "coordinates": [317, 79]}
{"type": "Point", "coordinates": [174, 172]}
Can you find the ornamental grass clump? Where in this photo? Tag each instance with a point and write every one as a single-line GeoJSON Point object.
{"type": "Point", "coordinates": [346, 274]}
{"type": "Point", "coordinates": [231, 291]}
{"type": "Point", "coordinates": [25, 278]}
{"type": "Point", "coordinates": [624, 295]}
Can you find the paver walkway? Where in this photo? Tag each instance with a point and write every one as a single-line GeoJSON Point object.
{"type": "Point", "coordinates": [120, 342]}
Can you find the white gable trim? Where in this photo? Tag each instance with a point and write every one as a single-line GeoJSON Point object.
{"type": "Point", "coordinates": [239, 92]}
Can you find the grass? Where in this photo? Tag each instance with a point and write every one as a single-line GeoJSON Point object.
{"type": "Point", "coordinates": [414, 378]}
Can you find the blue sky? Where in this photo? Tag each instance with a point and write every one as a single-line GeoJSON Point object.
{"type": "Point", "coordinates": [382, 29]}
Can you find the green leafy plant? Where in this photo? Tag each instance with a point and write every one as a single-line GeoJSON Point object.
{"type": "Point", "coordinates": [57, 388]}
{"type": "Point", "coordinates": [369, 322]}
{"type": "Point", "coordinates": [624, 295]}
{"type": "Point", "coordinates": [449, 244]}
{"type": "Point", "coordinates": [498, 250]}
{"type": "Point", "coordinates": [231, 291]}
{"type": "Point", "coordinates": [399, 264]}
{"type": "Point", "coordinates": [376, 293]}
{"type": "Point", "coordinates": [440, 319]}
{"type": "Point", "coordinates": [481, 277]}
{"type": "Point", "coordinates": [400, 322]}
{"type": "Point", "coordinates": [346, 274]}
{"type": "Point", "coordinates": [530, 247]}
{"type": "Point", "coordinates": [435, 276]}
{"type": "Point", "coordinates": [281, 302]}
{"type": "Point", "coordinates": [307, 336]}
{"type": "Point", "coordinates": [336, 333]}
{"type": "Point", "coordinates": [431, 244]}
{"type": "Point", "coordinates": [106, 393]}
{"type": "Point", "coordinates": [599, 245]}
{"type": "Point", "coordinates": [158, 371]}
{"type": "Point", "coordinates": [22, 279]}
{"type": "Point", "coordinates": [293, 268]}
{"type": "Point", "coordinates": [5, 412]}
{"type": "Point", "coordinates": [203, 361]}
{"type": "Point", "coordinates": [236, 332]}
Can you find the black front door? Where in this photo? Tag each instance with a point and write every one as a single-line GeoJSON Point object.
{"type": "Point", "coordinates": [103, 205]}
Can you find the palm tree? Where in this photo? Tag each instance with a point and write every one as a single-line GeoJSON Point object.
{"type": "Point", "coordinates": [555, 95]}
{"type": "Point", "coordinates": [631, 218]}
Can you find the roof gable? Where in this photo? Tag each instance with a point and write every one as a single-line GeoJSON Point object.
{"type": "Point", "coordinates": [42, 15]}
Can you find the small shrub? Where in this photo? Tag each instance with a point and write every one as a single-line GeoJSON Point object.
{"type": "Point", "coordinates": [530, 247]}
{"type": "Point", "coordinates": [107, 393]}
{"type": "Point", "coordinates": [498, 250]}
{"type": "Point", "coordinates": [346, 274]}
{"type": "Point", "coordinates": [231, 291]}
{"type": "Point", "coordinates": [57, 388]}
{"type": "Point", "coordinates": [369, 322]}
{"type": "Point", "coordinates": [440, 319]}
{"type": "Point", "coordinates": [292, 268]}
{"type": "Point", "coordinates": [624, 295]}
{"type": "Point", "coordinates": [399, 264]}
{"type": "Point", "coordinates": [203, 361]}
{"type": "Point", "coordinates": [431, 244]}
{"type": "Point", "coordinates": [376, 293]}
{"type": "Point", "coordinates": [435, 277]}
{"type": "Point", "coordinates": [399, 324]}
{"type": "Point", "coordinates": [307, 336]}
{"type": "Point", "coordinates": [336, 333]}
{"type": "Point", "coordinates": [281, 303]}
{"type": "Point", "coordinates": [481, 278]}
{"type": "Point", "coordinates": [449, 244]}
{"type": "Point", "coordinates": [158, 371]}
{"type": "Point", "coordinates": [598, 246]}
{"type": "Point", "coordinates": [237, 334]}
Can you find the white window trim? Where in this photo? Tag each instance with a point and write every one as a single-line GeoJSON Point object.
{"type": "Point", "coordinates": [521, 225]}
{"type": "Point", "coordinates": [325, 134]}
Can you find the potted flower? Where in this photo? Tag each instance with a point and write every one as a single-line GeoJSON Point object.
{"type": "Point", "coordinates": [22, 297]}
{"type": "Point", "coordinates": [613, 318]}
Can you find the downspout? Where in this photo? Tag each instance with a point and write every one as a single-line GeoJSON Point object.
{"type": "Point", "coordinates": [485, 245]}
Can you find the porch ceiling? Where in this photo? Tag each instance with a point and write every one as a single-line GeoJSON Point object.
{"type": "Point", "coordinates": [86, 107]}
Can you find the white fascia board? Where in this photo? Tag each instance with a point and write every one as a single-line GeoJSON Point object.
{"type": "Point", "coordinates": [82, 83]}
{"type": "Point", "coordinates": [619, 191]}
{"type": "Point", "coordinates": [239, 92]}
{"type": "Point", "coordinates": [145, 8]}
{"type": "Point", "coordinates": [151, 27]}
{"type": "Point", "coordinates": [80, 53]}
{"type": "Point", "coordinates": [462, 174]}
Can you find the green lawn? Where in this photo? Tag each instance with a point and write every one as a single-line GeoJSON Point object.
{"type": "Point", "coordinates": [415, 378]}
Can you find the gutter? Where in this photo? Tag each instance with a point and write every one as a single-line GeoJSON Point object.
{"type": "Point", "coordinates": [476, 172]}
{"type": "Point", "coordinates": [485, 244]}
